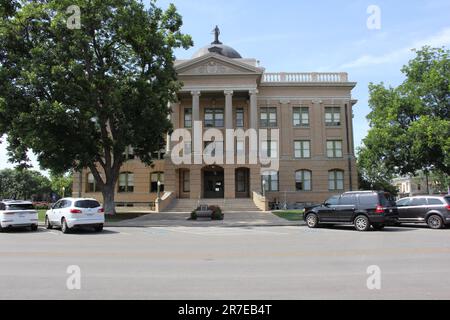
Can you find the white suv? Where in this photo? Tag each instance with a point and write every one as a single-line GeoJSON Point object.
{"type": "Point", "coordinates": [69, 213]}
{"type": "Point", "coordinates": [16, 214]}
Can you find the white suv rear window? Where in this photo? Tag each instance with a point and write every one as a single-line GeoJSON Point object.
{"type": "Point", "coordinates": [87, 204]}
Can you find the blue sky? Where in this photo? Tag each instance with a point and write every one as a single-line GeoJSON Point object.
{"type": "Point", "coordinates": [305, 36]}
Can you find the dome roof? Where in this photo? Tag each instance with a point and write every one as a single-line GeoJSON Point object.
{"type": "Point", "coordinates": [218, 47]}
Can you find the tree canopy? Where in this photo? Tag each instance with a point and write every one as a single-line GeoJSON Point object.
{"type": "Point", "coordinates": [410, 124]}
{"type": "Point", "coordinates": [79, 97]}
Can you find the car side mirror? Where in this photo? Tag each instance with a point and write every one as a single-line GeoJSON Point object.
{"type": "Point", "coordinates": [326, 204]}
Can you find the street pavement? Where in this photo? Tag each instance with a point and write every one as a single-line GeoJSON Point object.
{"type": "Point", "coordinates": [285, 262]}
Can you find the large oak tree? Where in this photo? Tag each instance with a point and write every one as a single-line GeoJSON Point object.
{"type": "Point", "coordinates": [410, 124]}
{"type": "Point", "coordinates": [79, 97]}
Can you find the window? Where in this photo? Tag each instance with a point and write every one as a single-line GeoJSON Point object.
{"type": "Point", "coordinates": [188, 118]}
{"type": "Point", "coordinates": [301, 117]}
{"type": "Point", "coordinates": [332, 116]}
{"type": "Point", "coordinates": [302, 149]}
{"type": "Point", "coordinates": [126, 182]}
{"type": "Point", "coordinates": [154, 178]}
{"type": "Point", "coordinates": [418, 202]}
{"type": "Point", "coordinates": [270, 149]}
{"type": "Point", "coordinates": [87, 204]}
{"type": "Point", "coordinates": [333, 201]}
{"type": "Point", "coordinates": [347, 200]}
{"type": "Point", "coordinates": [434, 202]}
{"type": "Point", "coordinates": [91, 183]}
{"type": "Point", "coordinates": [270, 181]}
{"type": "Point", "coordinates": [239, 118]}
{"type": "Point", "coordinates": [268, 117]}
{"type": "Point", "coordinates": [403, 202]}
{"type": "Point", "coordinates": [334, 149]}
{"type": "Point", "coordinates": [214, 118]}
{"type": "Point", "coordinates": [336, 180]}
{"type": "Point", "coordinates": [129, 153]}
{"type": "Point", "coordinates": [186, 181]}
{"type": "Point", "coordinates": [368, 199]}
{"type": "Point", "coordinates": [303, 180]}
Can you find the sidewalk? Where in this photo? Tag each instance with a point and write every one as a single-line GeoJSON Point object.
{"type": "Point", "coordinates": [232, 219]}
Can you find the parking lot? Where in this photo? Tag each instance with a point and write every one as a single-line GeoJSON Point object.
{"type": "Point", "coordinates": [226, 263]}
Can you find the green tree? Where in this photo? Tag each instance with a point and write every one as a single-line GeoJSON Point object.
{"type": "Point", "coordinates": [61, 184]}
{"type": "Point", "coordinates": [79, 97]}
{"type": "Point", "coordinates": [23, 184]}
{"type": "Point", "coordinates": [410, 126]}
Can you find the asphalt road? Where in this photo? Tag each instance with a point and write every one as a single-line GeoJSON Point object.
{"type": "Point", "coordinates": [226, 263]}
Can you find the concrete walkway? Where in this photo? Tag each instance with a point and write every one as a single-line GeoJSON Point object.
{"type": "Point", "coordinates": [232, 219]}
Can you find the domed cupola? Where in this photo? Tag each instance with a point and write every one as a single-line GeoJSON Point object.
{"type": "Point", "coordinates": [218, 47]}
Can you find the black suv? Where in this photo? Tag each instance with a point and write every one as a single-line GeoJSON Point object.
{"type": "Point", "coordinates": [362, 209]}
{"type": "Point", "coordinates": [432, 210]}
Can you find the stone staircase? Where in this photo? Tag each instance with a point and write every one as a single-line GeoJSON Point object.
{"type": "Point", "coordinates": [227, 205]}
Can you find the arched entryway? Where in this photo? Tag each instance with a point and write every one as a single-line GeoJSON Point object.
{"type": "Point", "coordinates": [242, 178]}
{"type": "Point", "coordinates": [213, 182]}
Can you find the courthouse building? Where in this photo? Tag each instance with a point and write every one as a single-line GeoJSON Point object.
{"type": "Point", "coordinates": [223, 90]}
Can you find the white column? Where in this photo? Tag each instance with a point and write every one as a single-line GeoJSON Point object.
{"type": "Point", "coordinates": [228, 109]}
{"type": "Point", "coordinates": [196, 105]}
{"type": "Point", "coordinates": [253, 109]}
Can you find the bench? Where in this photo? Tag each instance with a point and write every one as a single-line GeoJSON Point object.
{"type": "Point", "coordinates": [204, 212]}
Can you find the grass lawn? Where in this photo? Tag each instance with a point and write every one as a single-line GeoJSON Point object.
{"type": "Point", "coordinates": [290, 215]}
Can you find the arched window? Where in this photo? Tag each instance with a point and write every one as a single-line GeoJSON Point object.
{"type": "Point", "coordinates": [270, 181]}
{"type": "Point", "coordinates": [336, 180]}
{"type": "Point", "coordinates": [303, 180]}
{"type": "Point", "coordinates": [91, 185]}
{"type": "Point", "coordinates": [126, 182]}
{"type": "Point", "coordinates": [154, 178]}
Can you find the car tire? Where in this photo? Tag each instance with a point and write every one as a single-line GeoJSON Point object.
{"type": "Point", "coordinates": [312, 221]}
{"type": "Point", "coordinates": [435, 222]}
{"type": "Point", "coordinates": [48, 224]}
{"type": "Point", "coordinates": [362, 223]}
{"type": "Point", "coordinates": [34, 227]}
{"type": "Point", "coordinates": [1, 229]}
{"type": "Point", "coordinates": [378, 227]}
{"type": "Point", "coordinates": [99, 228]}
{"type": "Point", "coordinates": [64, 227]}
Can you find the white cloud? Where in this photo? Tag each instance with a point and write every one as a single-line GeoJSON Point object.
{"type": "Point", "coordinates": [440, 39]}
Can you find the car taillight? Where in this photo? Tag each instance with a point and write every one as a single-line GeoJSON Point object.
{"type": "Point", "coordinates": [75, 211]}
{"type": "Point", "coordinates": [379, 209]}
{"type": "Point", "coordinates": [448, 207]}
{"type": "Point", "coordinates": [101, 210]}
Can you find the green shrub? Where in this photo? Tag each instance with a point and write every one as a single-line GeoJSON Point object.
{"type": "Point", "coordinates": [193, 215]}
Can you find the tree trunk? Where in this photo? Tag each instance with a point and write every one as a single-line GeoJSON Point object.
{"type": "Point", "coordinates": [108, 200]}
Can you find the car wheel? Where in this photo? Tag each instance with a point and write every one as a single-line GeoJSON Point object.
{"type": "Point", "coordinates": [34, 227]}
{"type": "Point", "coordinates": [362, 223]}
{"type": "Point", "coordinates": [435, 222]}
{"type": "Point", "coordinates": [312, 220]}
{"type": "Point", "coordinates": [378, 227]}
{"type": "Point", "coordinates": [1, 229]}
{"type": "Point", "coordinates": [64, 227]}
{"type": "Point", "coordinates": [99, 228]}
{"type": "Point", "coordinates": [48, 224]}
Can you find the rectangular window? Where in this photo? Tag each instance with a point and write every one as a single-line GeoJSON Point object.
{"type": "Point", "coordinates": [270, 149]}
{"type": "Point", "coordinates": [336, 180]}
{"type": "Point", "coordinates": [270, 181]}
{"type": "Point", "coordinates": [154, 177]}
{"type": "Point", "coordinates": [334, 149]}
{"type": "Point", "coordinates": [302, 149]}
{"type": "Point", "coordinates": [332, 116]}
{"type": "Point", "coordinates": [240, 118]}
{"type": "Point", "coordinates": [214, 118]}
{"type": "Point", "coordinates": [301, 117]}
{"type": "Point", "coordinates": [186, 181]}
{"type": "Point", "coordinates": [268, 117]}
{"type": "Point", "coordinates": [188, 118]}
{"type": "Point", "coordinates": [91, 184]}
{"type": "Point", "coordinates": [126, 182]}
{"type": "Point", "coordinates": [303, 180]}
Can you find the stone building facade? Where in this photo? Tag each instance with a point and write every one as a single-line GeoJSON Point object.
{"type": "Point", "coordinates": [312, 111]}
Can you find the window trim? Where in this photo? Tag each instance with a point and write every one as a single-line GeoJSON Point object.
{"type": "Point", "coordinates": [269, 180]}
{"type": "Point", "coordinates": [215, 111]}
{"type": "Point", "coordinates": [302, 149]}
{"type": "Point", "coordinates": [334, 149]}
{"type": "Point", "coordinates": [335, 180]}
{"type": "Point", "coordinates": [300, 110]}
{"type": "Point", "coordinates": [303, 171]}
{"type": "Point", "coordinates": [127, 183]}
{"type": "Point", "coordinates": [268, 111]}
{"type": "Point", "coordinates": [333, 122]}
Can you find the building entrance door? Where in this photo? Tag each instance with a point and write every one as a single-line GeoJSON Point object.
{"type": "Point", "coordinates": [213, 183]}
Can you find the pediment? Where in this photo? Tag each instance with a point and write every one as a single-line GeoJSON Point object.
{"type": "Point", "coordinates": [214, 64]}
